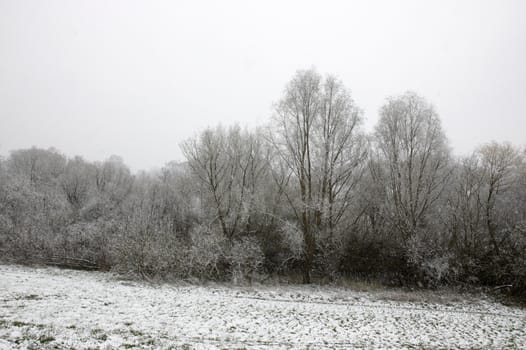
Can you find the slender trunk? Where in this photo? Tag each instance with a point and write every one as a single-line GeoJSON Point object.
{"type": "Point", "coordinates": [309, 252]}
{"type": "Point", "coordinates": [489, 221]}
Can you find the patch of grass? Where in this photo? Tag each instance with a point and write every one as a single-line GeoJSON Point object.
{"type": "Point", "coordinates": [71, 327]}
{"type": "Point", "coordinates": [136, 332]}
{"type": "Point", "coordinates": [429, 297]}
{"type": "Point", "coordinates": [128, 346]}
{"type": "Point", "coordinates": [149, 342]}
{"type": "Point", "coordinates": [44, 339]}
{"type": "Point", "coordinates": [96, 330]}
{"type": "Point", "coordinates": [20, 324]}
{"type": "Point", "coordinates": [99, 334]}
{"type": "Point", "coordinates": [28, 297]}
{"type": "Point", "coordinates": [362, 285]}
{"type": "Point", "coordinates": [403, 297]}
{"type": "Point", "coordinates": [128, 323]}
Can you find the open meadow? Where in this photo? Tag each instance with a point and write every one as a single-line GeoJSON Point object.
{"type": "Point", "coordinates": [49, 308]}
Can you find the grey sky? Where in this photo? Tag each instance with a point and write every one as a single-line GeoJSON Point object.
{"type": "Point", "coordinates": [135, 78]}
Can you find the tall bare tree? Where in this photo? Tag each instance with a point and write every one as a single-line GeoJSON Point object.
{"type": "Point", "coordinates": [412, 147]}
{"type": "Point", "coordinates": [229, 164]}
{"type": "Point", "coordinates": [315, 134]}
{"type": "Point", "coordinates": [75, 182]}
{"type": "Point", "coordinates": [466, 205]}
{"type": "Point", "coordinates": [340, 151]}
{"type": "Point", "coordinates": [499, 163]}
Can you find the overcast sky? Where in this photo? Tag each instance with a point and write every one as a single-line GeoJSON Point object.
{"type": "Point", "coordinates": [135, 78]}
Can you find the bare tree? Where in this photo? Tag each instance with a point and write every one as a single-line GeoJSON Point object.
{"type": "Point", "coordinates": [113, 179]}
{"type": "Point", "coordinates": [499, 163]}
{"type": "Point", "coordinates": [75, 182]}
{"type": "Point", "coordinates": [340, 151]}
{"type": "Point", "coordinates": [466, 205]}
{"type": "Point", "coordinates": [41, 167]}
{"type": "Point", "coordinates": [315, 136]}
{"type": "Point", "coordinates": [229, 164]}
{"type": "Point", "coordinates": [411, 145]}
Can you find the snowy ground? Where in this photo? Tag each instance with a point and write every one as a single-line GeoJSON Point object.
{"type": "Point", "coordinates": [52, 308]}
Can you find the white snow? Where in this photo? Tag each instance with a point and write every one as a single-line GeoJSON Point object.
{"type": "Point", "coordinates": [53, 308]}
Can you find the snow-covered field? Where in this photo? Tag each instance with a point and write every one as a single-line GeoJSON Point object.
{"type": "Point", "coordinates": [53, 308]}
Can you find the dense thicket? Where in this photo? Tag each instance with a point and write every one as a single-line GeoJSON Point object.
{"type": "Point", "coordinates": [310, 196]}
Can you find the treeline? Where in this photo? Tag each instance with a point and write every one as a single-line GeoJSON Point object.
{"type": "Point", "coordinates": [310, 197]}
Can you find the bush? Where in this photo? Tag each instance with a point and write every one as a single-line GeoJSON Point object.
{"type": "Point", "coordinates": [515, 257]}
{"type": "Point", "coordinates": [246, 259]}
{"type": "Point", "coordinates": [291, 247]}
{"type": "Point", "coordinates": [328, 260]}
{"type": "Point", "coordinates": [81, 245]}
{"type": "Point", "coordinates": [431, 264]}
{"type": "Point", "coordinates": [206, 256]}
{"type": "Point", "coordinates": [148, 253]}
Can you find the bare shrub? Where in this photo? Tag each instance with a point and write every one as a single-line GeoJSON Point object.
{"type": "Point", "coordinates": [431, 264]}
{"type": "Point", "coordinates": [292, 246]}
{"type": "Point", "coordinates": [80, 245]}
{"type": "Point", "coordinates": [206, 255]}
{"type": "Point", "coordinates": [246, 259]}
{"type": "Point", "coordinates": [148, 253]}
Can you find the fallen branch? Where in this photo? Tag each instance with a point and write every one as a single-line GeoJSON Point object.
{"type": "Point", "coordinates": [503, 286]}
